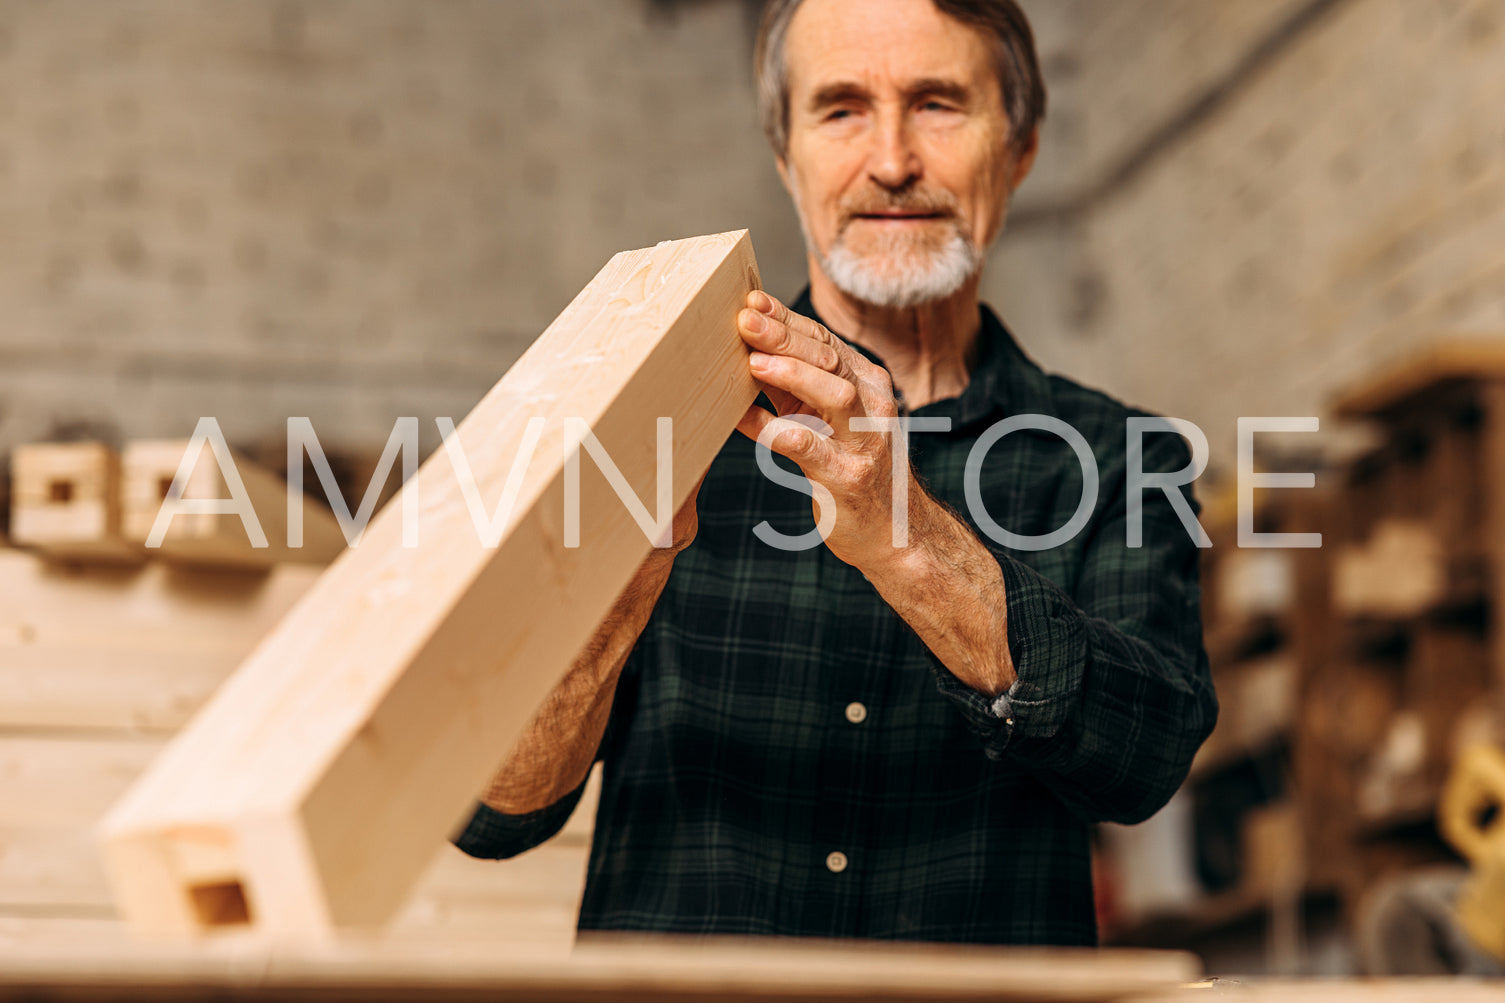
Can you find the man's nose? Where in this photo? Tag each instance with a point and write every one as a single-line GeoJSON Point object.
{"type": "Point", "coordinates": [894, 163]}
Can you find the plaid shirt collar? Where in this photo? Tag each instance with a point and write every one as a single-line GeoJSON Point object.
{"type": "Point", "coordinates": [1004, 382]}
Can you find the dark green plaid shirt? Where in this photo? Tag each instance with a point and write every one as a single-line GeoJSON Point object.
{"type": "Point", "coordinates": [786, 757]}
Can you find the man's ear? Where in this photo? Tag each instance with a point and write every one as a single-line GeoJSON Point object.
{"type": "Point", "coordinates": [783, 168]}
{"type": "Point", "coordinates": [1026, 159]}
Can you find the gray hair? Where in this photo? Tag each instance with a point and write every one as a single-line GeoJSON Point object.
{"type": "Point", "coordinates": [1018, 66]}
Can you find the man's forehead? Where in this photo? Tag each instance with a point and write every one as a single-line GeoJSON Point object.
{"type": "Point", "coordinates": [881, 42]}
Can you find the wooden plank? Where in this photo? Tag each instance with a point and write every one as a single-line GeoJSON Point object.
{"type": "Point", "coordinates": [542, 931]}
{"type": "Point", "coordinates": [315, 786]}
{"type": "Point", "coordinates": [54, 788]}
{"type": "Point", "coordinates": [1272, 850]}
{"type": "Point", "coordinates": [148, 689]}
{"type": "Point", "coordinates": [58, 869]}
{"type": "Point", "coordinates": [447, 967]}
{"type": "Point", "coordinates": [1253, 583]}
{"type": "Point", "coordinates": [1444, 361]}
{"type": "Point", "coordinates": [1320, 774]}
{"type": "Point", "coordinates": [218, 540]}
{"type": "Point", "coordinates": [67, 781]}
{"type": "Point", "coordinates": [1400, 572]}
{"type": "Point", "coordinates": [535, 896]}
{"type": "Point", "coordinates": [154, 607]}
{"type": "Point", "coordinates": [1455, 479]}
{"type": "Point", "coordinates": [1492, 460]}
{"type": "Point", "coordinates": [16, 932]}
{"type": "Point", "coordinates": [94, 647]}
{"type": "Point", "coordinates": [1448, 674]}
{"type": "Point", "coordinates": [1431, 989]}
{"type": "Point", "coordinates": [65, 501]}
{"type": "Point", "coordinates": [52, 870]}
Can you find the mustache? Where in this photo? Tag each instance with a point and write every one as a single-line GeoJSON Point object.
{"type": "Point", "coordinates": [915, 200]}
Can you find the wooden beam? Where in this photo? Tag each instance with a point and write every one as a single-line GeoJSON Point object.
{"type": "Point", "coordinates": [1492, 461]}
{"type": "Point", "coordinates": [317, 783]}
{"type": "Point", "coordinates": [1399, 572]}
{"type": "Point", "coordinates": [157, 607]}
{"type": "Point", "coordinates": [58, 868]}
{"type": "Point", "coordinates": [127, 648]}
{"type": "Point", "coordinates": [612, 970]}
{"type": "Point", "coordinates": [65, 502]}
{"type": "Point", "coordinates": [1443, 362]}
{"type": "Point", "coordinates": [67, 781]}
{"type": "Point", "coordinates": [137, 689]}
{"type": "Point", "coordinates": [54, 788]}
{"type": "Point", "coordinates": [51, 870]}
{"type": "Point", "coordinates": [215, 540]}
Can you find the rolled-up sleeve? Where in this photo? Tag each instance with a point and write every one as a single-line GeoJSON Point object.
{"type": "Point", "coordinates": [495, 835]}
{"type": "Point", "coordinates": [1113, 695]}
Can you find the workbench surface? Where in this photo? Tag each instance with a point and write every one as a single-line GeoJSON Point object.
{"type": "Point", "coordinates": [88, 967]}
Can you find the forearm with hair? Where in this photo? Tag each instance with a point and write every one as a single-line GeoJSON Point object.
{"type": "Point", "coordinates": [557, 748]}
{"type": "Point", "coordinates": [949, 589]}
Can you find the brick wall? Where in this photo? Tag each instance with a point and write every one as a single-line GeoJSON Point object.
{"type": "Point", "coordinates": [1339, 204]}
{"type": "Point", "coordinates": [358, 209]}
{"type": "Point", "coordinates": [347, 209]}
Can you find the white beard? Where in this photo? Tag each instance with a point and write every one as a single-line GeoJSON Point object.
{"type": "Point", "coordinates": [897, 274]}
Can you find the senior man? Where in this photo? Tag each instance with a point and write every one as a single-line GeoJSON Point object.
{"type": "Point", "coordinates": [900, 723]}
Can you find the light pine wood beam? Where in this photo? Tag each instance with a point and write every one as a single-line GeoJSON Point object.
{"type": "Point", "coordinates": [313, 789]}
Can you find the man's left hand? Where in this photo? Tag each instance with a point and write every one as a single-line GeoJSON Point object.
{"type": "Point", "coordinates": [807, 370]}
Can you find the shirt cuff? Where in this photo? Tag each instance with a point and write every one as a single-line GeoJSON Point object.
{"type": "Point", "coordinates": [1048, 645]}
{"type": "Point", "coordinates": [496, 835]}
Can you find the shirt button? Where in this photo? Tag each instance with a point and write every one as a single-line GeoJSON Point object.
{"type": "Point", "coordinates": [836, 862]}
{"type": "Point", "coordinates": [856, 713]}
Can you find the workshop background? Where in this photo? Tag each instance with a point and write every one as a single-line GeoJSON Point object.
{"type": "Point", "coordinates": [356, 210]}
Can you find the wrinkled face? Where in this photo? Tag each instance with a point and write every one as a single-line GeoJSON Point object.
{"type": "Point", "coordinates": [899, 158]}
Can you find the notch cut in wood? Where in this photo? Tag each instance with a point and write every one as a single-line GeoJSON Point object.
{"type": "Point", "coordinates": [323, 776]}
{"type": "Point", "coordinates": [66, 502]}
{"type": "Point", "coordinates": [218, 540]}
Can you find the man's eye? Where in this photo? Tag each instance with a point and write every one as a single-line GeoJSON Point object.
{"type": "Point", "coordinates": [935, 106]}
{"type": "Point", "coordinates": [838, 113]}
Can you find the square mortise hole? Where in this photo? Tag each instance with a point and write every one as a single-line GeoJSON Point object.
{"type": "Point", "coordinates": [221, 904]}
{"type": "Point", "coordinates": [164, 485]}
{"type": "Point", "coordinates": [59, 492]}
